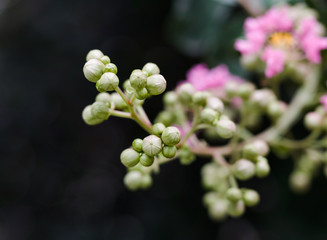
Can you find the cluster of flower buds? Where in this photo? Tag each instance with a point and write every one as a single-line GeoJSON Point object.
{"type": "Point", "coordinates": [136, 179]}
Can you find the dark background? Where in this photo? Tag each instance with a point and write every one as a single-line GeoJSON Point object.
{"type": "Point", "coordinates": [62, 180]}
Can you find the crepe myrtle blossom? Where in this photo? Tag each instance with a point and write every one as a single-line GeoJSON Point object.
{"type": "Point", "coordinates": [284, 34]}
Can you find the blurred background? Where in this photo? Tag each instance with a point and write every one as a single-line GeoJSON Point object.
{"type": "Point", "coordinates": [62, 180]}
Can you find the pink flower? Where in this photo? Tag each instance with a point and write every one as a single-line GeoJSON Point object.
{"type": "Point", "coordinates": [323, 101]}
{"type": "Point", "coordinates": [284, 34]}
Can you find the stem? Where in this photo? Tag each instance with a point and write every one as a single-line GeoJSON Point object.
{"type": "Point", "coordinates": [120, 114]}
{"type": "Point", "coordinates": [196, 120]}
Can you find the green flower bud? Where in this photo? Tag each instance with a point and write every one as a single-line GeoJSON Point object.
{"type": "Point", "coordinates": [146, 181]}
{"type": "Point", "coordinates": [210, 198]}
{"type": "Point", "coordinates": [236, 209]}
{"type": "Point", "coordinates": [146, 160]}
{"type": "Point", "coordinates": [142, 94]}
{"type": "Point", "coordinates": [89, 118]}
{"type": "Point", "coordinates": [118, 101]}
{"type": "Point", "coordinates": [156, 84]}
{"type": "Point", "coordinates": [231, 88]}
{"type": "Point", "coordinates": [170, 98]}
{"type": "Point", "coordinates": [263, 97]}
{"type": "Point", "coordinates": [186, 157]}
{"type": "Point", "coordinates": [262, 168]}
{"type": "Point", "coordinates": [261, 147]}
{"type": "Point", "coordinates": [137, 144]}
{"type": "Point", "coordinates": [171, 136]}
{"type": "Point", "coordinates": [93, 70]}
{"type": "Point", "coordinates": [105, 60]}
{"type": "Point", "coordinates": [108, 82]}
{"type": "Point", "coordinates": [276, 109]}
{"type": "Point", "coordinates": [129, 157]}
{"type": "Point", "coordinates": [128, 88]}
{"type": "Point", "coordinates": [250, 152]}
{"type": "Point", "coordinates": [251, 197]}
{"type": "Point", "coordinates": [218, 210]}
{"type": "Point", "coordinates": [244, 169]}
{"type": "Point", "coordinates": [226, 128]}
{"type": "Point", "coordinates": [299, 182]}
{"type": "Point", "coordinates": [209, 116]}
{"type": "Point", "coordinates": [104, 97]}
{"type": "Point", "coordinates": [245, 90]}
{"type": "Point", "coordinates": [185, 93]}
{"type": "Point", "coordinates": [110, 67]}
{"type": "Point", "coordinates": [215, 104]}
{"type": "Point", "coordinates": [94, 54]}
{"type": "Point", "coordinates": [313, 120]}
{"type": "Point", "coordinates": [200, 98]}
{"type": "Point", "coordinates": [151, 69]}
{"type": "Point", "coordinates": [169, 151]}
{"type": "Point", "coordinates": [165, 117]}
{"type": "Point", "coordinates": [152, 145]}
{"type": "Point", "coordinates": [133, 180]}
{"type": "Point", "coordinates": [158, 128]}
{"type": "Point", "coordinates": [234, 194]}
{"type": "Point", "coordinates": [100, 110]}
{"type": "Point", "coordinates": [138, 79]}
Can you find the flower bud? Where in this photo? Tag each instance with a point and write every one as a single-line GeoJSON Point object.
{"type": "Point", "coordinates": [170, 98]}
{"type": "Point", "coordinates": [276, 109]}
{"type": "Point", "coordinates": [236, 209]}
{"type": "Point", "coordinates": [137, 144]}
{"type": "Point", "coordinates": [245, 90]}
{"type": "Point", "coordinates": [262, 97]}
{"type": "Point", "coordinates": [100, 110]}
{"type": "Point", "coordinates": [262, 168]}
{"type": "Point", "coordinates": [152, 145]}
{"type": "Point", "coordinates": [110, 67]}
{"type": "Point", "coordinates": [128, 88]}
{"type": "Point", "coordinates": [210, 198]}
{"type": "Point", "coordinates": [89, 118]}
{"type": "Point", "coordinates": [146, 181]}
{"type": "Point", "coordinates": [261, 147]}
{"type": "Point", "coordinates": [165, 117]}
{"type": "Point", "coordinates": [118, 101]}
{"type": "Point", "coordinates": [142, 94]}
{"type": "Point", "coordinates": [108, 82]}
{"type": "Point", "coordinates": [185, 92]}
{"type": "Point", "coordinates": [234, 194]}
{"type": "Point", "coordinates": [209, 116]}
{"type": "Point", "coordinates": [218, 210]}
{"type": "Point", "coordinates": [299, 182]}
{"type": "Point", "coordinates": [186, 157]}
{"type": "Point", "coordinates": [225, 128]}
{"type": "Point", "coordinates": [231, 88]}
{"type": "Point", "coordinates": [146, 160]}
{"type": "Point", "coordinates": [313, 120]}
{"type": "Point", "coordinates": [133, 180]}
{"type": "Point", "coordinates": [129, 157]}
{"type": "Point", "coordinates": [151, 69]}
{"type": "Point", "coordinates": [251, 197]}
{"type": "Point", "coordinates": [156, 84]}
{"type": "Point", "coordinates": [94, 54]}
{"type": "Point", "coordinates": [138, 79]}
{"type": "Point", "coordinates": [169, 151]}
{"type": "Point", "coordinates": [200, 98]}
{"type": "Point", "coordinates": [105, 60]}
{"type": "Point", "coordinates": [215, 104]}
{"type": "Point", "coordinates": [93, 70]}
{"type": "Point", "coordinates": [171, 136]}
{"type": "Point", "coordinates": [244, 169]}
{"type": "Point", "coordinates": [104, 97]}
{"type": "Point", "coordinates": [158, 128]}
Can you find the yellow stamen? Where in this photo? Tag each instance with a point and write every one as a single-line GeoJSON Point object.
{"type": "Point", "coordinates": [281, 39]}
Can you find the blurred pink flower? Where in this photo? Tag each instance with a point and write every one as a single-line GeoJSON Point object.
{"type": "Point", "coordinates": [282, 35]}
{"type": "Point", "coordinates": [323, 101]}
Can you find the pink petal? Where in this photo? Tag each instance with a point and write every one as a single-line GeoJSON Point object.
{"type": "Point", "coordinates": [275, 60]}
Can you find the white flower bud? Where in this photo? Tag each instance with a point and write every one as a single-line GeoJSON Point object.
{"type": "Point", "coordinates": [276, 109]}
{"type": "Point", "coordinates": [94, 54]}
{"type": "Point", "coordinates": [251, 197]}
{"type": "Point", "coordinates": [262, 97]}
{"type": "Point", "coordinates": [146, 160]}
{"type": "Point", "coordinates": [93, 70]}
{"type": "Point", "coordinates": [108, 82]}
{"type": "Point", "coordinates": [151, 69]}
{"type": "Point", "coordinates": [210, 198]}
{"type": "Point", "coordinates": [200, 98]}
{"type": "Point", "coordinates": [158, 128]}
{"type": "Point", "coordinates": [261, 147]}
{"type": "Point", "coordinates": [152, 145]}
{"type": "Point", "coordinates": [236, 209]}
{"type": "Point", "coordinates": [170, 98]}
{"type": "Point", "coordinates": [129, 157]}
{"type": "Point", "coordinates": [225, 128]}
{"type": "Point", "coordinates": [245, 90]}
{"type": "Point", "coordinates": [138, 79]}
{"type": "Point", "coordinates": [146, 181]}
{"type": "Point", "coordinates": [262, 168]}
{"type": "Point", "coordinates": [313, 120]}
{"type": "Point", "coordinates": [105, 60]}
{"type": "Point", "coordinates": [244, 169]}
{"type": "Point", "coordinates": [185, 92]}
{"type": "Point", "coordinates": [215, 104]}
{"type": "Point", "coordinates": [100, 110]}
{"type": "Point", "coordinates": [171, 136]}
{"type": "Point", "coordinates": [156, 84]}
{"type": "Point", "coordinates": [234, 194]}
{"type": "Point", "coordinates": [89, 118]}
{"type": "Point", "coordinates": [209, 116]}
{"type": "Point", "coordinates": [133, 180]}
{"type": "Point", "coordinates": [299, 182]}
{"type": "Point", "coordinates": [104, 97]}
{"type": "Point", "coordinates": [118, 101]}
{"type": "Point", "coordinates": [231, 88]}
{"type": "Point", "coordinates": [169, 151]}
{"type": "Point", "coordinates": [141, 94]}
{"type": "Point", "coordinates": [110, 67]}
{"type": "Point", "coordinates": [218, 210]}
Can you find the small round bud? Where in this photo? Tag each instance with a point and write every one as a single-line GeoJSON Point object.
{"type": "Point", "coordinates": [152, 145]}
{"type": "Point", "coordinates": [151, 68]}
{"type": "Point", "coordinates": [245, 90]}
{"type": "Point", "coordinates": [299, 182]}
{"type": "Point", "coordinates": [108, 82]}
{"type": "Point", "coordinates": [171, 136]}
{"type": "Point", "coordinates": [94, 54]}
{"type": "Point", "coordinates": [100, 110]}
{"type": "Point", "coordinates": [261, 147]}
{"type": "Point", "coordinates": [231, 88]}
{"type": "Point", "coordinates": [93, 70]}
{"type": "Point", "coordinates": [276, 109]}
{"type": "Point", "coordinates": [262, 97]}
{"type": "Point", "coordinates": [156, 84]}
{"type": "Point", "coordinates": [313, 120]}
{"type": "Point", "coordinates": [209, 116]}
{"type": "Point", "coordinates": [104, 97]}
{"type": "Point", "coordinates": [146, 181]}
{"type": "Point", "coordinates": [129, 157]}
{"type": "Point", "coordinates": [251, 197]}
{"type": "Point", "coordinates": [218, 210]}
{"type": "Point", "coordinates": [89, 118]}
{"type": "Point", "coordinates": [236, 209]}
{"type": "Point", "coordinates": [110, 67]}
{"type": "Point", "coordinates": [165, 117]}
{"type": "Point", "coordinates": [250, 152]}
{"type": "Point", "coordinates": [118, 101]}
{"type": "Point", "coordinates": [234, 194]}
{"type": "Point", "coordinates": [215, 104]}
{"type": "Point", "coordinates": [105, 60]}
{"type": "Point", "coordinates": [142, 94]}
{"type": "Point", "coordinates": [138, 79]}
{"type": "Point", "coordinates": [244, 169]}
{"type": "Point", "coordinates": [262, 168]}
{"type": "Point", "coordinates": [128, 88]}
{"type": "Point", "coordinates": [210, 198]}
{"type": "Point", "coordinates": [200, 98]}
{"type": "Point", "coordinates": [137, 144]}
{"type": "Point", "coordinates": [158, 128]}
{"type": "Point", "coordinates": [169, 151]}
{"type": "Point", "coordinates": [146, 160]}
{"type": "Point", "coordinates": [226, 128]}
{"type": "Point", "coordinates": [170, 98]}
{"type": "Point", "coordinates": [186, 157]}
{"type": "Point", "coordinates": [185, 92]}
{"type": "Point", "coordinates": [133, 180]}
